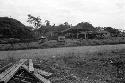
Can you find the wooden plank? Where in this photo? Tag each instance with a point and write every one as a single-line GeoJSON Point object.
{"type": "Point", "coordinates": [7, 71]}
{"type": "Point", "coordinates": [24, 81]}
{"type": "Point", "coordinates": [5, 67]}
{"type": "Point", "coordinates": [23, 77]}
{"type": "Point", "coordinates": [4, 73]}
{"type": "Point", "coordinates": [31, 68]}
{"type": "Point", "coordinates": [41, 78]}
{"type": "Point", "coordinates": [41, 72]}
{"type": "Point", "coordinates": [37, 75]}
{"type": "Point", "coordinates": [6, 76]}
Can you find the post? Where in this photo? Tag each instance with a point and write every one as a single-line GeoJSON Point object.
{"type": "Point", "coordinates": [85, 35]}
{"type": "Point", "coordinates": [31, 68]}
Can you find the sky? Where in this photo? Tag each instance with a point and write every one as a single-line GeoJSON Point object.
{"type": "Point", "coordinates": [104, 13]}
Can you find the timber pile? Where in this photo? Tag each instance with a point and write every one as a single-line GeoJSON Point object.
{"type": "Point", "coordinates": [21, 73]}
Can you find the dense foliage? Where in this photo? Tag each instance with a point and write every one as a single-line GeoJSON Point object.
{"type": "Point", "coordinates": [86, 26]}
{"type": "Point", "coordinates": [11, 28]}
{"type": "Point", "coordinates": [46, 28]}
{"type": "Point", "coordinates": [113, 32]}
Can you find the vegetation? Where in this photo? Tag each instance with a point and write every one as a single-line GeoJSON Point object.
{"type": "Point", "coordinates": [86, 26]}
{"type": "Point", "coordinates": [35, 21]}
{"type": "Point", "coordinates": [90, 64]}
{"type": "Point", "coordinates": [11, 28]}
{"type": "Point", "coordinates": [113, 32]}
{"type": "Point", "coordinates": [46, 28]}
{"type": "Point", "coordinates": [99, 64]}
{"type": "Point", "coordinates": [15, 35]}
{"type": "Point", "coordinates": [55, 44]}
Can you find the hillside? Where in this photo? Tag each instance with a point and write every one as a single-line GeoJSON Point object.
{"type": "Point", "coordinates": [12, 28]}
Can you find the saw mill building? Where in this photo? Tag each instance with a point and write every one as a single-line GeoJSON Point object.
{"type": "Point", "coordinates": [80, 33]}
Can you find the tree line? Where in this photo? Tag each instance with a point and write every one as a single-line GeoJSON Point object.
{"type": "Point", "coordinates": [37, 25]}
{"type": "Point", "coordinates": [12, 28]}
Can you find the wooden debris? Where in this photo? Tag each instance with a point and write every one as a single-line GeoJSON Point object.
{"type": "Point", "coordinates": [41, 78]}
{"type": "Point", "coordinates": [7, 75]}
{"type": "Point", "coordinates": [41, 72]}
{"type": "Point", "coordinates": [37, 75]}
{"type": "Point", "coordinates": [5, 67]}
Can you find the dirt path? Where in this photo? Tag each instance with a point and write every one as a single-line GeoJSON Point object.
{"type": "Point", "coordinates": [59, 51]}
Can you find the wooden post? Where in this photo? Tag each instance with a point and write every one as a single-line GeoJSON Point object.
{"type": "Point", "coordinates": [85, 35]}
{"type": "Point", "coordinates": [31, 68]}
{"type": "Point", "coordinates": [77, 35]}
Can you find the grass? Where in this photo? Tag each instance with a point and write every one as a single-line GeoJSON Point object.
{"type": "Point", "coordinates": [67, 43]}
{"type": "Point", "coordinates": [90, 64]}
{"type": "Point", "coordinates": [72, 68]}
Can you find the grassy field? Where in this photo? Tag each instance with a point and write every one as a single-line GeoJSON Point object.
{"type": "Point", "coordinates": [57, 44]}
{"type": "Point", "coordinates": [85, 64]}
{"type": "Point", "coordinates": [83, 51]}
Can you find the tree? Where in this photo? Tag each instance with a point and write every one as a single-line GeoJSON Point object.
{"type": "Point", "coordinates": [47, 22]}
{"type": "Point", "coordinates": [36, 21]}
{"type": "Point", "coordinates": [12, 28]}
{"type": "Point", "coordinates": [62, 27]}
{"type": "Point", "coordinates": [114, 32]}
{"type": "Point", "coordinates": [86, 26]}
{"type": "Point", "coordinates": [66, 23]}
{"type": "Point", "coordinates": [99, 28]}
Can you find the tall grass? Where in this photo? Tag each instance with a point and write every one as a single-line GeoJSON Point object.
{"type": "Point", "coordinates": [67, 43]}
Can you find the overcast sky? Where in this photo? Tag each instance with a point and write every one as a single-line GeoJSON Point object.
{"type": "Point", "coordinates": [98, 12]}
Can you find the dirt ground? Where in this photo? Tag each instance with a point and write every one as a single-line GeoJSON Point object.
{"type": "Point", "coordinates": [86, 64]}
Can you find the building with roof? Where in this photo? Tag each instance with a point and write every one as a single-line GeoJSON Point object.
{"type": "Point", "coordinates": [80, 33]}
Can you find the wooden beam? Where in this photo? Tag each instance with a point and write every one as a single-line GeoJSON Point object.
{"type": "Point", "coordinates": [24, 81]}
{"type": "Point", "coordinates": [37, 75]}
{"type": "Point", "coordinates": [8, 74]}
{"type": "Point", "coordinates": [5, 67]}
{"type": "Point", "coordinates": [41, 72]}
{"type": "Point", "coordinates": [41, 78]}
{"type": "Point", "coordinates": [23, 77]}
{"type": "Point", "coordinates": [31, 68]}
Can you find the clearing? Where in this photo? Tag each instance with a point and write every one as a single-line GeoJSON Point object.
{"type": "Point", "coordinates": [52, 52]}
{"type": "Point", "coordinates": [85, 64]}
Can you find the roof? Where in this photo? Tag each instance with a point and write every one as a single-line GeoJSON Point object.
{"type": "Point", "coordinates": [85, 32]}
{"type": "Point", "coordinates": [78, 28]}
{"type": "Point", "coordinates": [67, 29]}
{"type": "Point", "coordinates": [102, 31]}
{"type": "Point", "coordinates": [72, 28]}
{"type": "Point", "coordinates": [93, 32]}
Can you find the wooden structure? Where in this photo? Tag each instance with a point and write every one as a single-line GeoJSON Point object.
{"type": "Point", "coordinates": [21, 73]}
{"type": "Point", "coordinates": [61, 38]}
{"type": "Point", "coordinates": [80, 33]}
